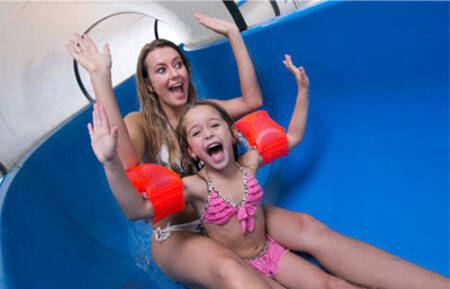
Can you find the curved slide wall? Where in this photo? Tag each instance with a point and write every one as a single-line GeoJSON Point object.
{"type": "Point", "coordinates": [373, 165]}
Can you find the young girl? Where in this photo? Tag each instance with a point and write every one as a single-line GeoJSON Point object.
{"type": "Point", "coordinates": [225, 190]}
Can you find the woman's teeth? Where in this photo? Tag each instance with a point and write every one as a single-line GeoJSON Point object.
{"type": "Point", "coordinates": [176, 88]}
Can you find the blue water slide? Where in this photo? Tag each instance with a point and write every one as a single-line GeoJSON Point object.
{"type": "Point", "coordinates": [374, 163]}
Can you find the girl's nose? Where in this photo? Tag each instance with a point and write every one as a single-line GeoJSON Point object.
{"type": "Point", "coordinates": [208, 133]}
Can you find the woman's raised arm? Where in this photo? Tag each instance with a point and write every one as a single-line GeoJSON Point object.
{"type": "Point", "coordinates": [131, 141]}
{"type": "Point", "coordinates": [251, 98]}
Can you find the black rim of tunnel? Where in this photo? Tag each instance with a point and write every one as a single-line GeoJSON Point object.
{"type": "Point", "coordinates": [236, 14]}
{"type": "Point", "coordinates": [75, 63]}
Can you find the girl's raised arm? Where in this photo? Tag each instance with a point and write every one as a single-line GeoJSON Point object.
{"type": "Point", "coordinates": [104, 145]}
{"type": "Point", "coordinates": [251, 98]}
{"type": "Point", "coordinates": [98, 65]}
{"type": "Point", "coordinates": [252, 159]}
{"type": "Point", "coordinates": [297, 125]}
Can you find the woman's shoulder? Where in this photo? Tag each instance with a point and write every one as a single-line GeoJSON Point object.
{"type": "Point", "coordinates": [135, 120]}
{"type": "Point", "coordinates": [134, 117]}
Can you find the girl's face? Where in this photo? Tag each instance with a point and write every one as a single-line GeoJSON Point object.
{"type": "Point", "coordinates": [169, 77]}
{"type": "Point", "coordinates": [209, 137]}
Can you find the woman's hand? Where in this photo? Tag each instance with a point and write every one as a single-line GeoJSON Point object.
{"type": "Point", "coordinates": [103, 138]}
{"type": "Point", "coordinates": [85, 52]}
{"type": "Point", "coordinates": [299, 72]}
{"type": "Point", "coordinates": [219, 26]}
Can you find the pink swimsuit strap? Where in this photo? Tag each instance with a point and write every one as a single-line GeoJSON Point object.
{"type": "Point", "coordinates": [219, 210]}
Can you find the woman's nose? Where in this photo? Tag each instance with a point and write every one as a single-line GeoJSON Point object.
{"type": "Point", "coordinates": [173, 72]}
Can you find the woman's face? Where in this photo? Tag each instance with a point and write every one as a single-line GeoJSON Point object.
{"type": "Point", "coordinates": [209, 137]}
{"type": "Point", "coordinates": [169, 77]}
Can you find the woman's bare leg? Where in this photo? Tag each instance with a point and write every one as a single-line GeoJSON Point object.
{"type": "Point", "coordinates": [346, 257]}
{"type": "Point", "coordinates": [273, 284]}
{"type": "Point", "coordinates": [197, 261]}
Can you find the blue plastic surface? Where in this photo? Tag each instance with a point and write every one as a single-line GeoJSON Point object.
{"type": "Point", "coordinates": [373, 165]}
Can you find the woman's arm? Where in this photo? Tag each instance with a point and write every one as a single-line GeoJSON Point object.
{"type": "Point", "coordinates": [104, 145]}
{"type": "Point", "coordinates": [297, 125]}
{"type": "Point", "coordinates": [131, 141]}
{"type": "Point", "coordinates": [251, 98]}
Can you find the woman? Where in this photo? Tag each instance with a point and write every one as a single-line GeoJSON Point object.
{"type": "Point", "coordinates": [164, 87]}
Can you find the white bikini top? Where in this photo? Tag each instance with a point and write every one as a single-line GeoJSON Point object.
{"type": "Point", "coordinates": [163, 160]}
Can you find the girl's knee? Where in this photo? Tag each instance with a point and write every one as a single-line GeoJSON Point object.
{"type": "Point", "coordinates": [312, 231]}
{"type": "Point", "coordinates": [309, 223]}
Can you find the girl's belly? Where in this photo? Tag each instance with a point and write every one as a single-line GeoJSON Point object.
{"type": "Point", "coordinates": [246, 245]}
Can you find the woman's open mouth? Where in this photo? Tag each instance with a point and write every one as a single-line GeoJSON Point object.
{"type": "Point", "coordinates": [177, 89]}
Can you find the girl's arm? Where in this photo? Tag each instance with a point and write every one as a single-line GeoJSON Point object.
{"type": "Point", "coordinates": [251, 98]}
{"type": "Point", "coordinates": [296, 130]}
{"type": "Point", "coordinates": [131, 141]}
{"type": "Point", "coordinates": [104, 145]}
{"type": "Point", "coordinates": [297, 125]}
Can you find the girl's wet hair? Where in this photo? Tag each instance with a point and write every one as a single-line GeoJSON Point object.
{"type": "Point", "coordinates": [188, 163]}
{"type": "Point", "coordinates": [157, 127]}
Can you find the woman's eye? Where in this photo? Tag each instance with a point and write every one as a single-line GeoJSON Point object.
{"type": "Point", "coordinates": [161, 70]}
{"type": "Point", "coordinates": [179, 64]}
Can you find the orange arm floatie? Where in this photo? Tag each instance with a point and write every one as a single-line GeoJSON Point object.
{"type": "Point", "coordinates": [264, 134]}
{"type": "Point", "coordinates": [162, 186]}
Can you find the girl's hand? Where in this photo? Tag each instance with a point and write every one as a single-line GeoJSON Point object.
{"type": "Point", "coordinates": [103, 138]}
{"type": "Point", "coordinates": [219, 26]}
{"type": "Point", "coordinates": [299, 72]}
{"type": "Point", "coordinates": [85, 52]}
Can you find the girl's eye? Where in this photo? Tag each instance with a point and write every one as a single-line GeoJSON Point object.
{"type": "Point", "coordinates": [195, 133]}
{"type": "Point", "coordinates": [215, 124]}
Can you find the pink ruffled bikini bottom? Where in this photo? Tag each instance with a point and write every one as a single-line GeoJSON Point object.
{"type": "Point", "coordinates": [267, 261]}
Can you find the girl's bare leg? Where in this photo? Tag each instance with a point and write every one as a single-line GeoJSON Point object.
{"type": "Point", "coordinates": [297, 273]}
{"type": "Point", "coordinates": [197, 261]}
{"type": "Point", "coordinates": [346, 257]}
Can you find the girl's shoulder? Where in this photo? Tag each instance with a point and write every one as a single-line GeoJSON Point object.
{"type": "Point", "coordinates": [195, 186]}
{"type": "Point", "coordinates": [251, 161]}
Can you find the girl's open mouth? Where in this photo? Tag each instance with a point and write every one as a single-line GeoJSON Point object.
{"type": "Point", "coordinates": [215, 151]}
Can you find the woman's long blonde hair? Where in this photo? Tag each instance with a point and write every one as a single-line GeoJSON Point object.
{"type": "Point", "coordinates": [157, 127]}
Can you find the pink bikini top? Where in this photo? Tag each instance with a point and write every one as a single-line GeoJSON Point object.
{"type": "Point", "coordinates": [219, 210]}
